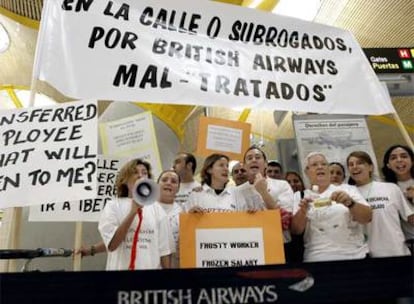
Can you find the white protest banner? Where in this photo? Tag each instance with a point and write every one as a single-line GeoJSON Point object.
{"type": "Point", "coordinates": [48, 154]}
{"type": "Point", "coordinates": [203, 53]}
{"type": "Point", "coordinates": [132, 137]}
{"type": "Point", "coordinates": [87, 210]}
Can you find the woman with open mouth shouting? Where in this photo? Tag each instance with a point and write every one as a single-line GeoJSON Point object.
{"type": "Point", "coordinates": [385, 236]}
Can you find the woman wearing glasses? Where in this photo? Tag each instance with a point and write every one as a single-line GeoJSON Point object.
{"type": "Point", "coordinates": [330, 216]}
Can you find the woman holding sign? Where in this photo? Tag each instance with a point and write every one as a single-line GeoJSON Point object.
{"type": "Point", "coordinates": [215, 195]}
{"type": "Point", "coordinates": [136, 236]}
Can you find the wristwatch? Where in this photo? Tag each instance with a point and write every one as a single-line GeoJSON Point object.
{"type": "Point", "coordinates": [351, 204]}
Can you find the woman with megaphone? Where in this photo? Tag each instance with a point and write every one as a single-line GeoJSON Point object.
{"type": "Point", "coordinates": [135, 231]}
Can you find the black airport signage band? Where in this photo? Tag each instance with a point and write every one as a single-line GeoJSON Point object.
{"type": "Point", "coordinates": [391, 60]}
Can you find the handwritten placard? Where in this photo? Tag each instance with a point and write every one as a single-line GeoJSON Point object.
{"type": "Point", "coordinates": [48, 154]}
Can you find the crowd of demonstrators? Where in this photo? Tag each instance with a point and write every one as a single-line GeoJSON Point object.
{"type": "Point", "coordinates": [330, 221]}
{"type": "Point", "coordinates": [185, 164]}
{"type": "Point", "coordinates": [332, 231]}
{"type": "Point", "coordinates": [136, 236]}
{"type": "Point", "coordinates": [239, 174]}
{"type": "Point", "coordinates": [398, 168]}
{"type": "Point", "coordinates": [274, 170]}
{"type": "Point", "coordinates": [337, 172]}
{"type": "Point", "coordinates": [384, 232]}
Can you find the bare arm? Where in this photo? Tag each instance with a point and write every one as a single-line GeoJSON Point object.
{"type": "Point", "coordinates": [166, 261]}
{"type": "Point", "coordinates": [409, 194]}
{"type": "Point", "coordinates": [360, 213]}
{"type": "Point", "coordinates": [92, 250]}
{"type": "Point", "coordinates": [410, 219]}
{"type": "Point", "coordinates": [260, 184]}
{"type": "Point", "coordinates": [299, 220]}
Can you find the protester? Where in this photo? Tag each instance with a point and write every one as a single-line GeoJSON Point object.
{"type": "Point", "coordinates": [385, 236]}
{"type": "Point", "coordinates": [330, 216]}
{"type": "Point", "coordinates": [214, 196]}
{"type": "Point", "coordinates": [398, 168]}
{"type": "Point", "coordinates": [136, 237]}
{"type": "Point", "coordinates": [274, 170]}
{"type": "Point", "coordinates": [295, 181]}
{"type": "Point", "coordinates": [239, 173]}
{"type": "Point", "coordinates": [169, 183]}
{"type": "Point", "coordinates": [262, 193]}
{"type": "Point", "coordinates": [337, 172]}
{"type": "Point", "coordinates": [185, 165]}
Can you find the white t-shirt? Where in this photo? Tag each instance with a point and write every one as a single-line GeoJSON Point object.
{"type": "Point", "coordinates": [185, 191]}
{"type": "Point", "coordinates": [331, 233]}
{"type": "Point", "coordinates": [209, 201]}
{"type": "Point", "coordinates": [280, 190]}
{"type": "Point", "coordinates": [385, 236]}
{"type": "Point", "coordinates": [173, 212]}
{"type": "Point", "coordinates": [407, 227]}
{"type": "Point", "coordinates": [154, 235]}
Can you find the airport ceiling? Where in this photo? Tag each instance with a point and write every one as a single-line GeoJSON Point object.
{"type": "Point", "coordinates": [375, 24]}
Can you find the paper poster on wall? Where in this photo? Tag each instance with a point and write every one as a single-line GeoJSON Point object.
{"type": "Point", "coordinates": [223, 136]}
{"type": "Point", "coordinates": [87, 210]}
{"type": "Point", "coordinates": [231, 239]}
{"type": "Point", "coordinates": [48, 153]}
{"type": "Point", "coordinates": [334, 135]}
{"type": "Point", "coordinates": [132, 137]}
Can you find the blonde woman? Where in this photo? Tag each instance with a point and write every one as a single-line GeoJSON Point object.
{"type": "Point", "coordinates": [136, 237]}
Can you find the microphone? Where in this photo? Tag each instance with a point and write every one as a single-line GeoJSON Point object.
{"type": "Point", "coordinates": [145, 192]}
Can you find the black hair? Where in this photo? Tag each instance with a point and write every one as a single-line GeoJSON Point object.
{"type": "Point", "coordinates": [275, 163]}
{"type": "Point", "coordinates": [189, 158]}
{"type": "Point", "coordinates": [254, 147]}
{"type": "Point", "coordinates": [390, 175]}
{"type": "Point", "coordinates": [339, 165]}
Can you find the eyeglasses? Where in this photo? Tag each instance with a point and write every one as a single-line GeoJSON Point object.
{"type": "Point", "coordinates": [237, 171]}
